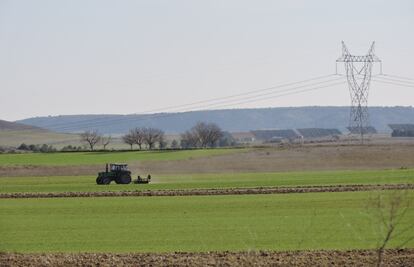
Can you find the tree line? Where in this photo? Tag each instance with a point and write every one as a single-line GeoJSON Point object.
{"type": "Point", "coordinates": [37, 148]}
{"type": "Point", "coordinates": [201, 135]}
{"type": "Point", "coordinates": [148, 137]}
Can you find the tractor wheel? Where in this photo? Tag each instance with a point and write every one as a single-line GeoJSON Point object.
{"type": "Point", "coordinates": [123, 179]}
{"type": "Point", "coordinates": [105, 180]}
{"type": "Point", "coordinates": [98, 180]}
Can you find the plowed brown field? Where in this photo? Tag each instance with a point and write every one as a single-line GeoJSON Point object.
{"type": "Point", "coordinates": [211, 192]}
{"type": "Point", "coordinates": [392, 257]}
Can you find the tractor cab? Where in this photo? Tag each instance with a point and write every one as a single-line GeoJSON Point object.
{"type": "Point", "coordinates": [114, 167]}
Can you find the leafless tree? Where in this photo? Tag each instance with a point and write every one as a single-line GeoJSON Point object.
{"type": "Point", "coordinates": [91, 138]}
{"type": "Point", "coordinates": [128, 139]}
{"type": "Point", "coordinates": [189, 140]}
{"type": "Point", "coordinates": [388, 211]}
{"type": "Point", "coordinates": [138, 135]}
{"type": "Point", "coordinates": [213, 134]}
{"type": "Point", "coordinates": [174, 144]}
{"type": "Point", "coordinates": [162, 143]}
{"type": "Point", "coordinates": [152, 136]}
{"type": "Point", "coordinates": [105, 140]}
{"type": "Point", "coordinates": [203, 134]}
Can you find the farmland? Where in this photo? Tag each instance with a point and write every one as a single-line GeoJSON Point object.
{"type": "Point", "coordinates": [165, 224]}
{"type": "Point", "coordinates": [206, 133]}
{"type": "Point", "coordinates": [84, 158]}
{"type": "Point", "coordinates": [212, 180]}
{"type": "Point", "coordinates": [237, 222]}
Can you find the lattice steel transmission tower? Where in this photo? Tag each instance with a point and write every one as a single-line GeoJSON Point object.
{"type": "Point", "coordinates": [358, 73]}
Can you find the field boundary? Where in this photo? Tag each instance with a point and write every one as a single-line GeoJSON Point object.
{"type": "Point", "coordinates": [215, 191]}
{"type": "Point", "coordinates": [392, 257]}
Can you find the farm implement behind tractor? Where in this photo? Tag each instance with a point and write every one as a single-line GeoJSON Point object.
{"type": "Point", "coordinates": [120, 174]}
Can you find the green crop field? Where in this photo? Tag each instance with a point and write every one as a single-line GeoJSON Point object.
{"type": "Point", "coordinates": [198, 223]}
{"type": "Point", "coordinates": [224, 180]}
{"type": "Point", "coordinates": [189, 223]}
{"type": "Point", "coordinates": [84, 158]}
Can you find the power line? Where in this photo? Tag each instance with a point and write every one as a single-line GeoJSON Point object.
{"type": "Point", "coordinates": [243, 102]}
{"type": "Point", "coordinates": [394, 83]}
{"type": "Point", "coordinates": [286, 94]}
{"type": "Point", "coordinates": [133, 118]}
{"type": "Point", "coordinates": [237, 95]}
{"type": "Point", "coordinates": [269, 93]}
{"type": "Point", "coordinates": [87, 122]}
{"type": "Point", "coordinates": [394, 80]}
{"type": "Point", "coordinates": [399, 77]}
{"type": "Point", "coordinates": [254, 99]}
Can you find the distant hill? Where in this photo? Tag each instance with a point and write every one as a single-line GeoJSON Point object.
{"type": "Point", "coordinates": [13, 134]}
{"type": "Point", "coordinates": [14, 126]}
{"type": "Point", "coordinates": [234, 120]}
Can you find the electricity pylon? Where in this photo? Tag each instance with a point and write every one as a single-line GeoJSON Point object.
{"type": "Point", "coordinates": [358, 73]}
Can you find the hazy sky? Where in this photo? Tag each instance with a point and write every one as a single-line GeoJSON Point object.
{"type": "Point", "coordinates": [76, 57]}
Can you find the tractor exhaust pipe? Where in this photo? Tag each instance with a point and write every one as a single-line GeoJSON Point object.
{"type": "Point", "coordinates": [106, 167]}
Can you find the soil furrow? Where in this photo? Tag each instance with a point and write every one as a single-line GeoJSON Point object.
{"type": "Point", "coordinates": [392, 257]}
{"type": "Point", "coordinates": [217, 191]}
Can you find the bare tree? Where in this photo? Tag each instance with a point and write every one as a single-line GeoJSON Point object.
{"type": "Point", "coordinates": [91, 138]}
{"type": "Point", "coordinates": [152, 136]}
{"type": "Point", "coordinates": [174, 144]}
{"type": "Point", "coordinates": [388, 211]}
{"type": "Point", "coordinates": [214, 133]}
{"type": "Point", "coordinates": [162, 143]}
{"type": "Point", "coordinates": [204, 134]}
{"type": "Point", "coordinates": [138, 135]}
{"type": "Point", "coordinates": [189, 140]}
{"type": "Point", "coordinates": [105, 140]}
{"type": "Point", "coordinates": [128, 139]}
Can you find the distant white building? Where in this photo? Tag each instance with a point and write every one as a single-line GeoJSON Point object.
{"type": "Point", "coordinates": [243, 137]}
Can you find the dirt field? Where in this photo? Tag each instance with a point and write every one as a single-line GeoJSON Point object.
{"type": "Point", "coordinates": [304, 158]}
{"type": "Point", "coordinates": [392, 257]}
{"type": "Point", "coordinates": [211, 192]}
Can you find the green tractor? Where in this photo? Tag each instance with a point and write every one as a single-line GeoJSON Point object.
{"type": "Point", "coordinates": [120, 174]}
{"type": "Point", "coordinates": [116, 172]}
